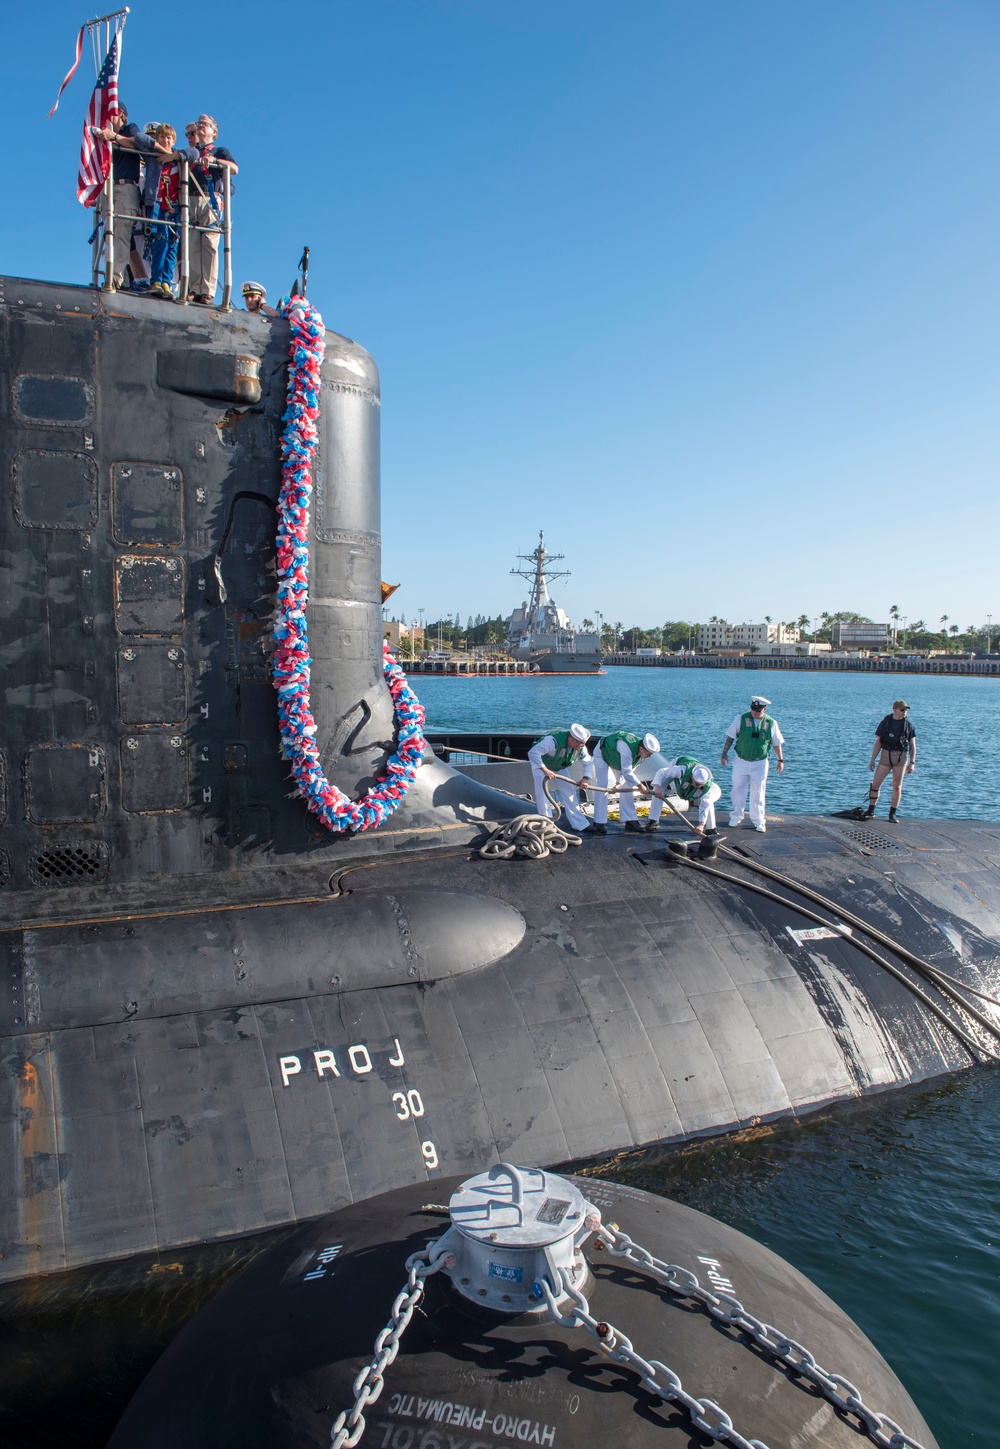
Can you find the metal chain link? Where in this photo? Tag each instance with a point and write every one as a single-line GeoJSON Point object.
{"type": "Point", "coordinates": [660, 1380]}
{"type": "Point", "coordinates": [727, 1309]}
{"type": "Point", "coordinates": [349, 1424]}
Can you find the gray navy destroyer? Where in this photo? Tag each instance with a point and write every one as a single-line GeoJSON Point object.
{"type": "Point", "coordinates": [541, 633]}
{"type": "Point", "coordinates": [215, 1015]}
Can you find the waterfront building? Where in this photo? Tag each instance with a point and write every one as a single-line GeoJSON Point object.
{"type": "Point", "coordinates": [721, 635]}
{"type": "Point", "coordinates": [860, 636]}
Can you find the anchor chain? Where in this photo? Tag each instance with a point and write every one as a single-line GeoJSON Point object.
{"type": "Point", "coordinates": [349, 1424]}
{"type": "Point", "coordinates": [725, 1308]}
{"type": "Point", "coordinates": [655, 1375]}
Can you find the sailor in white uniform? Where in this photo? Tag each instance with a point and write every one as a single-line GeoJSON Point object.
{"type": "Point", "coordinates": [552, 756]}
{"type": "Point", "coordinates": [685, 779]}
{"type": "Point", "coordinates": [616, 757]}
{"type": "Point", "coordinates": [752, 735]}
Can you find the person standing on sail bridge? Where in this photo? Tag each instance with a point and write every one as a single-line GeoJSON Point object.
{"type": "Point", "coordinates": [752, 735]}
{"type": "Point", "coordinates": [615, 759]}
{"type": "Point", "coordinates": [129, 147]}
{"type": "Point", "coordinates": [550, 757]}
{"type": "Point", "coordinates": [206, 204]}
{"type": "Point", "coordinates": [895, 749]}
{"type": "Point", "coordinates": [691, 781]}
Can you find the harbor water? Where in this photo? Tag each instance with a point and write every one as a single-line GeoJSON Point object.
{"type": "Point", "coordinates": [892, 1207]}
{"type": "Point", "coordinates": [828, 720]}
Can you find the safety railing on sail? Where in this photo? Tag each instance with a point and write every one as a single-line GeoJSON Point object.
{"type": "Point", "coordinates": [103, 242]}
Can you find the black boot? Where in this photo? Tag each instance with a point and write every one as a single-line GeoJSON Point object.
{"type": "Point", "coordinates": [868, 814]}
{"type": "Point", "coordinates": [632, 827]}
{"type": "Point", "coordinates": [892, 815]}
{"type": "Point", "coordinates": [599, 829]}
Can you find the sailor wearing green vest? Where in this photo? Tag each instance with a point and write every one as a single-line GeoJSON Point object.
{"type": "Point", "coordinates": [753, 735]}
{"type": "Point", "coordinates": [553, 756]}
{"type": "Point", "coordinates": [692, 782]}
{"type": "Point", "coordinates": [616, 757]}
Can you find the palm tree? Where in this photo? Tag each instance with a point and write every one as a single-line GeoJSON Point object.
{"type": "Point", "coordinates": [588, 626]}
{"type": "Point", "coordinates": [803, 622]}
{"type": "Point", "coordinates": [944, 623]}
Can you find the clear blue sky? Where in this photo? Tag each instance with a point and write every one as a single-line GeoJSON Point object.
{"type": "Point", "coordinates": [708, 291]}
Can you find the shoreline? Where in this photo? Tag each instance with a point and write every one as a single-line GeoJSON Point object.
{"type": "Point", "coordinates": [817, 663]}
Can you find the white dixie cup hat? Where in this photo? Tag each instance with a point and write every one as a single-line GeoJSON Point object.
{"type": "Point", "coordinates": [651, 743]}
{"type": "Point", "coordinates": [701, 774]}
{"type": "Point", "coordinates": [580, 733]}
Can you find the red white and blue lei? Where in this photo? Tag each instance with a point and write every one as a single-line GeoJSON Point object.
{"type": "Point", "coordinates": [292, 663]}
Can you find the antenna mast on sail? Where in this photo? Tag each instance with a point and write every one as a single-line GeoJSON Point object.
{"type": "Point", "coordinates": [540, 573]}
{"type": "Point", "coordinates": [101, 32]}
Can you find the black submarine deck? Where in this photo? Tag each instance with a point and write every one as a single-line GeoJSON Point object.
{"type": "Point", "coordinates": [401, 1018]}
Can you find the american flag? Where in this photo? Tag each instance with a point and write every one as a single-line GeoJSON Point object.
{"type": "Point", "coordinates": [95, 153]}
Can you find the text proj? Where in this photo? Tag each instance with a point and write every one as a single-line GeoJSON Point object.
{"type": "Point", "coordinates": [324, 1062]}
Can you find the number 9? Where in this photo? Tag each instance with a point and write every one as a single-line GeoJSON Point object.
{"type": "Point", "coordinates": [430, 1153]}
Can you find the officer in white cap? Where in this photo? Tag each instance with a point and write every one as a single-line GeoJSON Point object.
{"type": "Point", "coordinates": [752, 735]}
{"type": "Point", "coordinates": [254, 299]}
{"type": "Point", "coordinates": [554, 755]}
{"type": "Point", "coordinates": [686, 778]}
{"type": "Point", "coordinates": [616, 757]}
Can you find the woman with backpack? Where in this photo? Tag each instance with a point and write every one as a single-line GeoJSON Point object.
{"type": "Point", "coordinates": [895, 749]}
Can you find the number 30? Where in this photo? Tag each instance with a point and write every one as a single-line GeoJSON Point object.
{"type": "Point", "coordinates": [408, 1104]}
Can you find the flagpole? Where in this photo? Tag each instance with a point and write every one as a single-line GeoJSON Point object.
{"type": "Point", "coordinates": [106, 244]}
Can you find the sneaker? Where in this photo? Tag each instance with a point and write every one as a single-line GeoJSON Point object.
{"type": "Point", "coordinates": [760, 829]}
{"type": "Point", "coordinates": [735, 824]}
{"type": "Point", "coordinates": [598, 828]}
{"type": "Point", "coordinates": [632, 827]}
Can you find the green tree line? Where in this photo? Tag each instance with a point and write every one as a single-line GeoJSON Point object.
{"type": "Point", "coordinates": [483, 632]}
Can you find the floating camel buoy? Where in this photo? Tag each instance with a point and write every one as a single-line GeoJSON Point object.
{"type": "Point", "coordinates": [532, 1309]}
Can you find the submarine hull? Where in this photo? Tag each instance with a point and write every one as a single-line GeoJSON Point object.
{"type": "Point", "coordinates": [262, 1063]}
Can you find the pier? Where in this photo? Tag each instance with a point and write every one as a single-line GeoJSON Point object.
{"type": "Point", "coordinates": [473, 668]}
{"type": "Point", "coordinates": [875, 664]}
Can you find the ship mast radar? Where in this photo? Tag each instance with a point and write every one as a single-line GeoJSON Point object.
{"type": "Point", "coordinates": [540, 574]}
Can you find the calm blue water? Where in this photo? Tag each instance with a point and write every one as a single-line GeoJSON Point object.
{"type": "Point", "coordinates": [894, 1208]}
{"type": "Point", "coordinates": [828, 721]}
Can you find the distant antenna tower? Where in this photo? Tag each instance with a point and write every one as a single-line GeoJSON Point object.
{"type": "Point", "coordinates": [540, 573]}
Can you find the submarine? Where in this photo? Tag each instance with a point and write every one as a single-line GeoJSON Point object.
{"type": "Point", "coordinates": [220, 1010]}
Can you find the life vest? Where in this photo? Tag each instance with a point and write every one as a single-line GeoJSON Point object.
{"type": "Point", "coordinates": [893, 740]}
{"type": "Point", "coordinates": [566, 751]}
{"type": "Point", "coordinates": [685, 786]}
{"type": "Point", "coordinates": [609, 747]}
{"type": "Point", "coordinates": [751, 743]}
